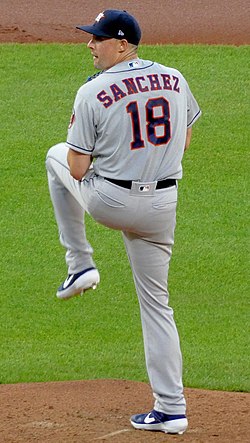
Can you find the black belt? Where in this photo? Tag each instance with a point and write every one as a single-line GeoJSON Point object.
{"type": "Point", "coordinates": [162, 184]}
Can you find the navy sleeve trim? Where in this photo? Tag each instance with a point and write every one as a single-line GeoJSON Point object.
{"type": "Point", "coordinates": [194, 118]}
{"type": "Point", "coordinates": [79, 147]}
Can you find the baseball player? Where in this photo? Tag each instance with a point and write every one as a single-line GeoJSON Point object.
{"type": "Point", "coordinates": [121, 163]}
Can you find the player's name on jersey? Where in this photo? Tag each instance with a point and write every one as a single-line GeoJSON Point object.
{"type": "Point", "coordinates": [129, 86]}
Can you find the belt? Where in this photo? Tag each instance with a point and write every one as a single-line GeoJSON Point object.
{"type": "Point", "coordinates": [161, 184]}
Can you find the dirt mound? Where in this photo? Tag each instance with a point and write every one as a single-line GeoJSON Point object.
{"type": "Point", "coordinates": [99, 411]}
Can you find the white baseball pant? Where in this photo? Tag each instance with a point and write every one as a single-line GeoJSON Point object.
{"type": "Point", "coordinates": [147, 219]}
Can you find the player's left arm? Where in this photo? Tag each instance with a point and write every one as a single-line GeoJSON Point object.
{"type": "Point", "coordinates": [78, 163]}
{"type": "Point", "coordinates": [188, 138]}
{"type": "Point", "coordinates": [193, 113]}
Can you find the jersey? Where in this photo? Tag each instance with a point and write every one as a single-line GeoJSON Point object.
{"type": "Point", "coordinates": [132, 119]}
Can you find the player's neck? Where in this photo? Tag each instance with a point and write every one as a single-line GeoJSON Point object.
{"type": "Point", "coordinates": [129, 55]}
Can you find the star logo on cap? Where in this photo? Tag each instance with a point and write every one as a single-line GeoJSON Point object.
{"type": "Point", "coordinates": [99, 17]}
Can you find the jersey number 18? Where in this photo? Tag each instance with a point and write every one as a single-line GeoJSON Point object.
{"type": "Point", "coordinates": [152, 122]}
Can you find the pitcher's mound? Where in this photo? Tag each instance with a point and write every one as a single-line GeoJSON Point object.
{"type": "Point", "coordinates": [99, 411]}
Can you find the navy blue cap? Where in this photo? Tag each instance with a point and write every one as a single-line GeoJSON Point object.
{"type": "Point", "coordinates": [114, 23]}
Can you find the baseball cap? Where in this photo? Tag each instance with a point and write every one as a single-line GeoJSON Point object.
{"type": "Point", "coordinates": [114, 23]}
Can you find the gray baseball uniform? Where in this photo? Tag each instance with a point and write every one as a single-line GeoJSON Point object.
{"type": "Point", "coordinates": [133, 120]}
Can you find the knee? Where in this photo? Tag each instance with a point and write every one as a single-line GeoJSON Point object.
{"type": "Point", "coordinates": [56, 153]}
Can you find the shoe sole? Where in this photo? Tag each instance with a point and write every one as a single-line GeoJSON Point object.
{"type": "Point", "coordinates": [86, 281]}
{"type": "Point", "coordinates": [178, 426]}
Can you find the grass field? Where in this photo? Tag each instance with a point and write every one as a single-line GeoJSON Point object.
{"type": "Point", "coordinates": [99, 336]}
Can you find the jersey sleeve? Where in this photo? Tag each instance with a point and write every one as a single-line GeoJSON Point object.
{"type": "Point", "coordinates": [193, 109]}
{"type": "Point", "coordinates": [81, 131]}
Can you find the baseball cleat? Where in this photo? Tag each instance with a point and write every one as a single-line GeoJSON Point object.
{"type": "Point", "coordinates": [158, 421]}
{"type": "Point", "coordinates": [77, 284]}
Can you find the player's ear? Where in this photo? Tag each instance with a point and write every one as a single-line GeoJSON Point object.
{"type": "Point", "coordinates": [123, 45]}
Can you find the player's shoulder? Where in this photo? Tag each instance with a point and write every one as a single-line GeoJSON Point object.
{"type": "Point", "coordinates": [93, 81]}
{"type": "Point", "coordinates": [89, 87]}
{"type": "Point", "coordinates": [169, 69]}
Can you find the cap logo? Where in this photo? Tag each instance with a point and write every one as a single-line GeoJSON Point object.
{"type": "Point", "coordinates": [121, 33]}
{"type": "Point", "coordinates": [99, 17]}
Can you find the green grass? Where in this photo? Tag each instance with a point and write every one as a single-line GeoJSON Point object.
{"type": "Point", "coordinates": [99, 336]}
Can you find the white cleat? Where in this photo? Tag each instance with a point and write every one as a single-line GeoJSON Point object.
{"type": "Point", "coordinates": [77, 284]}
